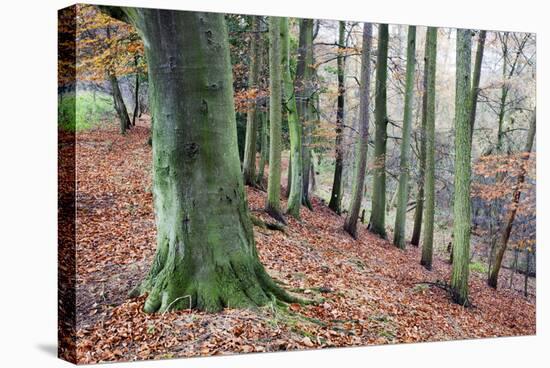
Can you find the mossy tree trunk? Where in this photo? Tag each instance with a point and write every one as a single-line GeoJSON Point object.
{"type": "Point", "coordinates": [516, 196]}
{"type": "Point", "coordinates": [304, 94]}
{"type": "Point", "coordinates": [377, 223]}
{"type": "Point", "coordinates": [273, 206]}
{"type": "Point", "coordinates": [475, 80]}
{"type": "Point", "coordinates": [461, 205]}
{"type": "Point", "coordinates": [206, 257]}
{"type": "Point", "coordinates": [429, 174]}
{"type": "Point", "coordinates": [350, 225]}
{"type": "Point", "coordinates": [403, 190]}
{"type": "Point", "coordinates": [295, 128]}
{"type": "Point", "coordinates": [249, 161]}
{"type": "Point", "coordinates": [418, 211]}
{"type": "Point", "coordinates": [120, 107]}
{"type": "Point", "coordinates": [335, 202]}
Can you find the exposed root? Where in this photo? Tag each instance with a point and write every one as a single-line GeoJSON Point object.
{"type": "Point", "coordinates": [267, 225]}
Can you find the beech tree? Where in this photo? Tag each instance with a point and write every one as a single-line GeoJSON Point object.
{"type": "Point", "coordinates": [350, 224]}
{"type": "Point", "coordinates": [377, 223]}
{"type": "Point", "coordinates": [403, 189]}
{"type": "Point", "coordinates": [337, 187]}
{"type": "Point", "coordinates": [206, 257]}
{"type": "Point", "coordinates": [429, 174]}
{"type": "Point", "coordinates": [418, 211]}
{"type": "Point", "coordinates": [273, 206]}
{"type": "Point", "coordinates": [294, 127]}
{"type": "Point", "coordinates": [249, 160]}
{"type": "Point", "coordinates": [305, 100]}
{"type": "Point", "coordinates": [475, 79]}
{"type": "Point", "coordinates": [461, 206]}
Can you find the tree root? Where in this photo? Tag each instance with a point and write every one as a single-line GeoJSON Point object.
{"type": "Point", "coordinates": [267, 225]}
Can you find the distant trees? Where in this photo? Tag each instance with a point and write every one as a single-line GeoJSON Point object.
{"type": "Point", "coordinates": [429, 173]}
{"type": "Point", "coordinates": [249, 161]}
{"type": "Point", "coordinates": [377, 223]}
{"type": "Point", "coordinates": [461, 207]}
{"type": "Point", "coordinates": [404, 163]}
{"type": "Point", "coordinates": [513, 208]}
{"type": "Point", "coordinates": [350, 224]}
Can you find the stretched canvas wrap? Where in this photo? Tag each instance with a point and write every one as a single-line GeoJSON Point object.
{"type": "Point", "coordinates": [241, 183]}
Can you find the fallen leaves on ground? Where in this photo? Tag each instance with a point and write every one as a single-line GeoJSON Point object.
{"type": "Point", "coordinates": [370, 291]}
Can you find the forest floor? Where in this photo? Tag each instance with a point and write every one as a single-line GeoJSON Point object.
{"type": "Point", "coordinates": [373, 293]}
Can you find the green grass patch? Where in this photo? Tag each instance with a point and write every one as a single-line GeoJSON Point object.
{"type": "Point", "coordinates": [84, 110]}
{"type": "Point", "coordinates": [478, 267]}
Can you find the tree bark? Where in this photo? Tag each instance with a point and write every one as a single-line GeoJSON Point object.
{"type": "Point", "coordinates": [136, 94]}
{"type": "Point", "coordinates": [264, 147]}
{"type": "Point", "coordinates": [304, 94]}
{"type": "Point", "coordinates": [377, 223]}
{"type": "Point", "coordinates": [295, 171]}
{"type": "Point", "coordinates": [335, 202]}
{"type": "Point", "coordinates": [475, 79]}
{"type": "Point", "coordinates": [516, 196]}
{"type": "Point", "coordinates": [249, 161]}
{"type": "Point", "coordinates": [206, 257]}
{"type": "Point", "coordinates": [273, 207]}
{"type": "Point", "coordinates": [429, 174]}
{"type": "Point", "coordinates": [417, 227]}
{"type": "Point", "coordinates": [350, 225]}
{"type": "Point", "coordinates": [461, 206]}
{"type": "Point", "coordinates": [403, 190]}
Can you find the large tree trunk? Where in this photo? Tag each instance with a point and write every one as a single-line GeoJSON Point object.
{"type": "Point", "coordinates": [273, 206]}
{"type": "Point", "coordinates": [295, 129]}
{"type": "Point", "coordinates": [475, 80]}
{"type": "Point", "coordinates": [337, 187]}
{"type": "Point", "coordinates": [403, 190]}
{"type": "Point", "coordinates": [418, 211]}
{"type": "Point", "coordinates": [249, 161]}
{"type": "Point", "coordinates": [350, 224]}
{"type": "Point", "coordinates": [120, 107]}
{"type": "Point", "coordinates": [304, 94]}
{"type": "Point", "coordinates": [429, 174]}
{"type": "Point", "coordinates": [206, 257]}
{"type": "Point", "coordinates": [461, 206]}
{"type": "Point", "coordinates": [507, 229]}
{"type": "Point", "coordinates": [377, 223]}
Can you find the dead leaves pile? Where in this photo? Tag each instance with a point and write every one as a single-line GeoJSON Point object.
{"type": "Point", "coordinates": [370, 291]}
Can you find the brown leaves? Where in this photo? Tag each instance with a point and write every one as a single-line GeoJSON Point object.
{"type": "Point", "coordinates": [369, 287]}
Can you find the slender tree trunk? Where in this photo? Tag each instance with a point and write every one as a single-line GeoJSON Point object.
{"type": "Point", "coordinates": [249, 162]}
{"type": "Point", "coordinates": [526, 274]}
{"type": "Point", "coordinates": [461, 205]}
{"type": "Point", "coordinates": [403, 190]}
{"type": "Point", "coordinates": [264, 147]}
{"type": "Point", "coordinates": [350, 224]}
{"type": "Point", "coordinates": [273, 206]}
{"type": "Point", "coordinates": [475, 79]}
{"type": "Point", "coordinates": [516, 196]}
{"type": "Point", "coordinates": [378, 214]}
{"type": "Point", "coordinates": [429, 174]}
{"type": "Point", "coordinates": [136, 93]}
{"type": "Point", "coordinates": [120, 107]}
{"type": "Point", "coordinates": [294, 127]}
{"type": "Point", "coordinates": [304, 94]}
{"type": "Point", "coordinates": [206, 257]}
{"type": "Point", "coordinates": [337, 187]}
{"type": "Point", "coordinates": [418, 211]}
